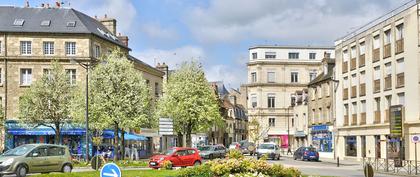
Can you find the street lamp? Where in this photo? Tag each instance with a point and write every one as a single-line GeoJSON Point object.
{"type": "Point", "coordinates": [86, 67]}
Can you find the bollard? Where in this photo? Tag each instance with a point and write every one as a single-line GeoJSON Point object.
{"type": "Point", "coordinates": [338, 161]}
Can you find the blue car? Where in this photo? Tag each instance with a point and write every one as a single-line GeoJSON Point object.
{"type": "Point", "coordinates": [306, 153]}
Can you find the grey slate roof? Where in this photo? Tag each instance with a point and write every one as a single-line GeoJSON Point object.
{"type": "Point", "coordinates": [59, 18]}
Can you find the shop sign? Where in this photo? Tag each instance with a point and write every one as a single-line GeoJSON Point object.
{"type": "Point", "coordinates": [395, 121]}
{"type": "Point", "coordinates": [319, 127]}
{"type": "Point", "coordinates": [166, 126]}
{"type": "Point", "coordinates": [300, 134]}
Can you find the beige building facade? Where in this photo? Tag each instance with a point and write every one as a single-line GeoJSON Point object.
{"type": "Point", "coordinates": [378, 70]}
{"type": "Point", "coordinates": [30, 38]}
{"type": "Point", "coordinates": [274, 74]}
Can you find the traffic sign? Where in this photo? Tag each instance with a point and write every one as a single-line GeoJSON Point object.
{"type": "Point", "coordinates": [166, 126]}
{"type": "Point", "coordinates": [110, 170]}
{"type": "Point", "coordinates": [415, 138]}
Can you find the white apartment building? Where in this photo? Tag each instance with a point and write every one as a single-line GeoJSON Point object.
{"type": "Point", "coordinates": [274, 74]}
{"type": "Point", "coordinates": [371, 65]}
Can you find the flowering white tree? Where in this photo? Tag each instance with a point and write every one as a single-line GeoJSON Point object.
{"type": "Point", "coordinates": [119, 96]}
{"type": "Point", "coordinates": [189, 100]}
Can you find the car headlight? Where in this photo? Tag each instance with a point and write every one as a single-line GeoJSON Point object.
{"type": "Point", "coordinates": [7, 162]}
{"type": "Point", "coordinates": [162, 158]}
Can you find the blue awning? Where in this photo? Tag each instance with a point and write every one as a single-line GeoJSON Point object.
{"type": "Point", "coordinates": [108, 134]}
{"type": "Point", "coordinates": [45, 131]}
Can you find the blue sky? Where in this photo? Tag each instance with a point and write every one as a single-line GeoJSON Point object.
{"type": "Point", "coordinates": [218, 33]}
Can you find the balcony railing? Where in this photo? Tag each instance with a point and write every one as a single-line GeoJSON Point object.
{"type": "Point", "coordinates": [345, 93]}
{"type": "Point", "coordinates": [353, 91]}
{"type": "Point", "coordinates": [386, 115]}
{"type": "Point", "coordinates": [354, 119]}
{"type": "Point", "coordinates": [377, 117]}
{"type": "Point", "coordinates": [345, 66]}
{"type": "Point", "coordinates": [346, 120]}
{"type": "Point", "coordinates": [375, 55]}
{"type": "Point", "coordinates": [362, 59]}
{"type": "Point", "coordinates": [400, 80]}
{"type": "Point", "coordinates": [362, 89]}
{"type": "Point", "coordinates": [353, 63]}
{"type": "Point", "coordinates": [363, 118]}
{"type": "Point", "coordinates": [387, 50]}
{"type": "Point", "coordinates": [388, 82]}
{"type": "Point", "coordinates": [376, 86]}
{"type": "Point", "coordinates": [399, 46]}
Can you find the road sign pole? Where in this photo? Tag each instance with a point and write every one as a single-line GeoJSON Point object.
{"type": "Point", "coordinates": [415, 155]}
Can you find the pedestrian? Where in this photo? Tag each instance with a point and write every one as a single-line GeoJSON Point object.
{"type": "Point", "coordinates": [134, 153]}
{"type": "Point", "coordinates": [127, 152]}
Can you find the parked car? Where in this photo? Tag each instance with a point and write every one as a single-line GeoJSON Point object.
{"type": "Point", "coordinates": [213, 151]}
{"type": "Point", "coordinates": [178, 156]}
{"type": "Point", "coordinates": [235, 145]}
{"type": "Point", "coordinates": [247, 147]}
{"type": "Point", "coordinates": [35, 158]}
{"type": "Point", "coordinates": [272, 151]}
{"type": "Point", "coordinates": [306, 153]}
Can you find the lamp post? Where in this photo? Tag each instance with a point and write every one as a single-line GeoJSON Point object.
{"type": "Point", "coordinates": [86, 67]}
{"type": "Point", "coordinates": [288, 131]}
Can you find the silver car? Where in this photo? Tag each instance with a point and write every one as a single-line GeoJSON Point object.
{"type": "Point", "coordinates": [213, 151]}
{"type": "Point", "coordinates": [271, 150]}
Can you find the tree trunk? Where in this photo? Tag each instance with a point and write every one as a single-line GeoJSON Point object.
{"type": "Point", "coordinates": [180, 139]}
{"type": "Point", "coordinates": [57, 134]}
{"type": "Point", "coordinates": [115, 142]}
{"type": "Point", "coordinates": [188, 136]}
{"type": "Point", "coordinates": [122, 144]}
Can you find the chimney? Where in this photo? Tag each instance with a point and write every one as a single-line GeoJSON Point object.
{"type": "Point", "coordinates": [123, 39]}
{"type": "Point", "coordinates": [26, 3]}
{"type": "Point", "coordinates": [164, 68]}
{"type": "Point", "coordinates": [109, 23]}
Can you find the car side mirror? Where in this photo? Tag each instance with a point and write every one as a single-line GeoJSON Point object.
{"type": "Point", "coordinates": [35, 154]}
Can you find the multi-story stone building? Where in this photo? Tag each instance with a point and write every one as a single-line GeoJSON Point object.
{"type": "Point", "coordinates": [299, 120]}
{"type": "Point", "coordinates": [31, 37]}
{"type": "Point", "coordinates": [321, 116]}
{"type": "Point", "coordinates": [274, 74]}
{"type": "Point", "coordinates": [373, 91]}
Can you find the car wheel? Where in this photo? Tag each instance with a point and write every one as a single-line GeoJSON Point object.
{"type": "Point", "coordinates": [301, 158]}
{"type": "Point", "coordinates": [21, 171]}
{"type": "Point", "coordinates": [197, 163]}
{"type": "Point", "coordinates": [66, 168]}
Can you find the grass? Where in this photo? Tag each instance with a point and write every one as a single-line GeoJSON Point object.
{"type": "Point", "coordinates": [125, 173]}
{"type": "Point", "coordinates": [120, 163]}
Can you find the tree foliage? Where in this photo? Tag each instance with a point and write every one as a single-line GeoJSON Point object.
{"type": "Point", "coordinates": [257, 132]}
{"type": "Point", "coordinates": [119, 96]}
{"type": "Point", "coordinates": [189, 100]}
{"type": "Point", "coordinates": [48, 101]}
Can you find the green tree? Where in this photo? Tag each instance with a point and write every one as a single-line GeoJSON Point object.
{"type": "Point", "coordinates": [189, 101]}
{"type": "Point", "coordinates": [257, 132]}
{"type": "Point", "coordinates": [47, 101]}
{"type": "Point", "coordinates": [119, 96]}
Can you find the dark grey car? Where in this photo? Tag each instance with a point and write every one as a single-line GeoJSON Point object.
{"type": "Point", "coordinates": [212, 151]}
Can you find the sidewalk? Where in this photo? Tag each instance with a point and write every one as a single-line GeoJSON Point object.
{"type": "Point", "coordinates": [334, 161]}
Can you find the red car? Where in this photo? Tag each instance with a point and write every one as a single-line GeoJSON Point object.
{"type": "Point", "coordinates": [178, 156]}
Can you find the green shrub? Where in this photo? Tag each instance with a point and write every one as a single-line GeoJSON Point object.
{"type": "Point", "coordinates": [197, 171]}
{"type": "Point", "coordinates": [235, 154]}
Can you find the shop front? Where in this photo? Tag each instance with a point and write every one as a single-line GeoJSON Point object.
{"type": "Point", "coordinates": [322, 139]}
{"type": "Point", "coordinates": [281, 140]}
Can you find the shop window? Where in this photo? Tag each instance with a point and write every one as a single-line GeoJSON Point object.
{"type": "Point", "coordinates": [351, 146]}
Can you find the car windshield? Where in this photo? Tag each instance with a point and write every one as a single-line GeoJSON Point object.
{"type": "Point", "coordinates": [21, 150]}
{"type": "Point", "coordinates": [266, 146]}
{"type": "Point", "coordinates": [204, 148]}
{"type": "Point", "coordinates": [310, 149]}
{"type": "Point", "coordinates": [169, 151]}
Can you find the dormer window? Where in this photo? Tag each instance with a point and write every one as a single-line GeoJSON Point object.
{"type": "Point", "coordinates": [71, 24]}
{"type": "Point", "coordinates": [46, 23]}
{"type": "Point", "coordinates": [18, 22]}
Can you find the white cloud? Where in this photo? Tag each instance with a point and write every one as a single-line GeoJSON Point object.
{"type": "Point", "coordinates": [156, 32]}
{"type": "Point", "coordinates": [231, 77]}
{"type": "Point", "coordinates": [171, 57]}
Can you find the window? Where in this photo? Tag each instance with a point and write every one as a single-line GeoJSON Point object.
{"type": "Point", "coordinates": [377, 73]}
{"type": "Point", "coordinates": [388, 69]}
{"type": "Point", "coordinates": [271, 99]}
{"type": "Point", "coordinates": [345, 55]}
{"type": "Point", "coordinates": [353, 80]}
{"type": "Point", "coordinates": [363, 106]}
{"type": "Point", "coordinates": [25, 47]}
{"type": "Point", "coordinates": [345, 82]}
{"type": "Point", "coordinates": [271, 77]}
{"type": "Point", "coordinates": [351, 146]}
{"type": "Point", "coordinates": [294, 77]}
{"type": "Point", "coordinates": [18, 22]}
{"type": "Point", "coordinates": [25, 76]}
{"type": "Point", "coordinates": [362, 77]}
{"type": "Point", "coordinates": [346, 109]}
{"type": "Point", "coordinates": [272, 122]}
{"type": "Point", "coordinates": [387, 37]}
{"type": "Point", "coordinates": [47, 72]}
{"type": "Point", "coordinates": [354, 108]}
{"type": "Point", "coordinates": [254, 55]}
{"type": "Point", "coordinates": [254, 100]}
{"type": "Point", "coordinates": [353, 52]}
{"type": "Point", "coordinates": [253, 77]}
{"type": "Point", "coordinates": [71, 76]}
{"type": "Point", "coordinates": [312, 75]}
{"type": "Point", "coordinates": [293, 122]}
{"type": "Point", "coordinates": [0, 46]}
{"type": "Point", "coordinates": [376, 42]}
{"type": "Point", "coordinates": [312, 56]}
{"type": "Point", "coordinates": [55, 151]}
{"type": "Point", "coordinates": [70, 48]}
{"type": "Point", "coordinates": [362, 48]}
{"type": "Point", "coordinates": [41, 151]}
{"type": "Point", "coordinates": [148, 82]}
{"type": "Point", "coordinates": [293, 55]}
{"type": "Point", "coordinates": [400, 66]}
{"type": "Point", "coordinates": [270, 55]}
{"type": "Point", "coordinates": [400, 32]}
{"type": "Point", "coordinates": [401, 99]}
{"type": "Point", "coordinates": [48, 48]}
{"type": "Point", "coordinates": [97, 51]}
{"type": "Point", "coordinates": [377, 104]}
{"type": "Point", "coordinates": [157, 90]}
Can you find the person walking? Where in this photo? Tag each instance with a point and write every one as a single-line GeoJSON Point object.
{"type": "Point", "coordinates": [134, 153]}
{"type": "Point", "coordinates": [127, 152]}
